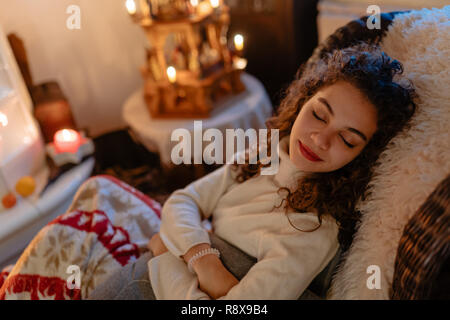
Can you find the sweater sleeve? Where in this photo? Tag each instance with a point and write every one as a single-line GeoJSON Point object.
{"type": "Point", "coordinates": [182, 213]}
{"type": "Point", "coordinates": [289, 262]}
{"type": "Point", "coordinates": [285, 269]}
{"type": "Point", "coordinates": [285, 272]}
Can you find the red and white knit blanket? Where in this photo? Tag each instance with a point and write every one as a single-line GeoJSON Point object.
{"type": "Point", "coordinates": [107, 226]}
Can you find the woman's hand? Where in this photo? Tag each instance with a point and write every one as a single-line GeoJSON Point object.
{"type": "Point", "coordinates": [156, 245]}
{"type": "Point", "coordinates": [214, 279]}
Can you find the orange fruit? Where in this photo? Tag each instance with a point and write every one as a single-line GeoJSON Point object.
{"type": "Point", "coordinates": [25, 186]}
{"type": "Point", "coordinates": [9, 200]}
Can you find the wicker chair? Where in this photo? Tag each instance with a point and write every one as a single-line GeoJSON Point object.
{"type": "Point", "coordinates": [423, 256]}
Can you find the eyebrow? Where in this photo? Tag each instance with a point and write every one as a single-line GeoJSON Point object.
{"type": "Point", "coordinates": [359, 133]}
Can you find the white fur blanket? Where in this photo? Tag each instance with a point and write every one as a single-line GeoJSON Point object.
{"type": "Point", "coordinates": [414, 162]}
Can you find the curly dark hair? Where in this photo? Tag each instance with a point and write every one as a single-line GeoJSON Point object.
{"type": "Point", "coordinates": [336, 193]}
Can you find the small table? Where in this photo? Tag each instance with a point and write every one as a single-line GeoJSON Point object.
{"type": "Point", "coordinates": [20, 224]}
{"type": "Point", "coordinates": [249, 109]}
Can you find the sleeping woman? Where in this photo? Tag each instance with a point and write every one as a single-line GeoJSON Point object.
{"type": "Point", "coordinates": [335, 120]}
{"type": "Point", "coordinates": [333, 123]}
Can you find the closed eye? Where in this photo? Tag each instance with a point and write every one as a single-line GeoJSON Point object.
{"type": "Point", "coordinates": [320, 119]}
{"type": "Point", "coordinates": [348, 144]}
{"type": "Point", "coordinates": [317, 117]}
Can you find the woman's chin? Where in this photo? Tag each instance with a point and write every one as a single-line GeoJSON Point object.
{"type": "Point", "coordinates": [303, 164]}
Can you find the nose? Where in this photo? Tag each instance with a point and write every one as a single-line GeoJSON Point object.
{"type": "Point", "coordinates": [321, 139]}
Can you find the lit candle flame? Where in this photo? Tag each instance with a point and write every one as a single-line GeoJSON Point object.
{"type": "Point", "coordinates": [239, 42]}
{"type": "Point", "coordinates": [3, 119]}
{"type": "Point", "coordinates": [204, 7]}
{"type": "Point", "coordinates": [214, 3]}
{"type": "Point", "coordinates": [241, 64]}
{"type": "Point", "coordinates": [131, 6]}
{"type": "Point", "coordinates": [66, 135]}
{"type": "Point", "coordinates": [172, 74]}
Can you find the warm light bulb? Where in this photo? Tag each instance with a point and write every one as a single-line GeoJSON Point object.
{"type": "Point", "coordinates": [172, 74]}
{"type": "Point", "coordinates": [194, 3]}
{"type": "Point", "coordinates": [239, 42]}
{"type": "Point", "coordinates": [131, 6]}
{"type": "Point", "coordinates": [215, 3]}
{"type": "Point", "coordinates": [3, 119]}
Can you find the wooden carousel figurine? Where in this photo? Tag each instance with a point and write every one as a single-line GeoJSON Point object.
{"type": "Point", "coordinates": [189, 65]}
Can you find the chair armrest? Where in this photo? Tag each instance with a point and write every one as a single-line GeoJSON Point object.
{"type": "Point", "coordinates": [424, 249]}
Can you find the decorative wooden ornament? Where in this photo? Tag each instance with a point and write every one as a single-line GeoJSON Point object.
{"type": "Point", "coordinates": [189, 66]}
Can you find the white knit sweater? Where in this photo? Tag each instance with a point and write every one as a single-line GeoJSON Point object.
{"type": "Point", "coordinates": [287, 259]}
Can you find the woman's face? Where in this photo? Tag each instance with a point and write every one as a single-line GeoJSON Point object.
{"type": "Point", "coordinates": [332, 128]}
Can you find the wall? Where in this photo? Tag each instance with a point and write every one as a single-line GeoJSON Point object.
{"type": "Point", "coordinates": [97, 66]}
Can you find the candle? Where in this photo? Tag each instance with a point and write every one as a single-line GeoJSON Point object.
{"type": "Point", "coordinates": [214, 3]}
{"type": "Point", "coordinates": [239, 42]}
{"type": "Point", "coordinates": [193, 7]}
{"type": "Point", "coordinates": [172, 74]}
{"type": "Point", "coordinates": [67, 140]}
{"type": "Point", "coordinates": [240, 63]}
{"type": "Point", "coordinates": [131, 7]}
{"type": "Point", "coordinates": [204, 8]}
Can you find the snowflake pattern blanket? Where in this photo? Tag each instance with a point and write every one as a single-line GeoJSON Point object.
{"type": "Point", "coordinates": [107, 226]}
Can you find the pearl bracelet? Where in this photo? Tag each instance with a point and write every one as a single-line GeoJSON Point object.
{"type": "Point", "coordinates": [200, 254]}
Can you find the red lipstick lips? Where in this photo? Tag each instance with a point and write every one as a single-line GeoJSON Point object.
{"type": "Point", "coordinates": [308, 154]}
